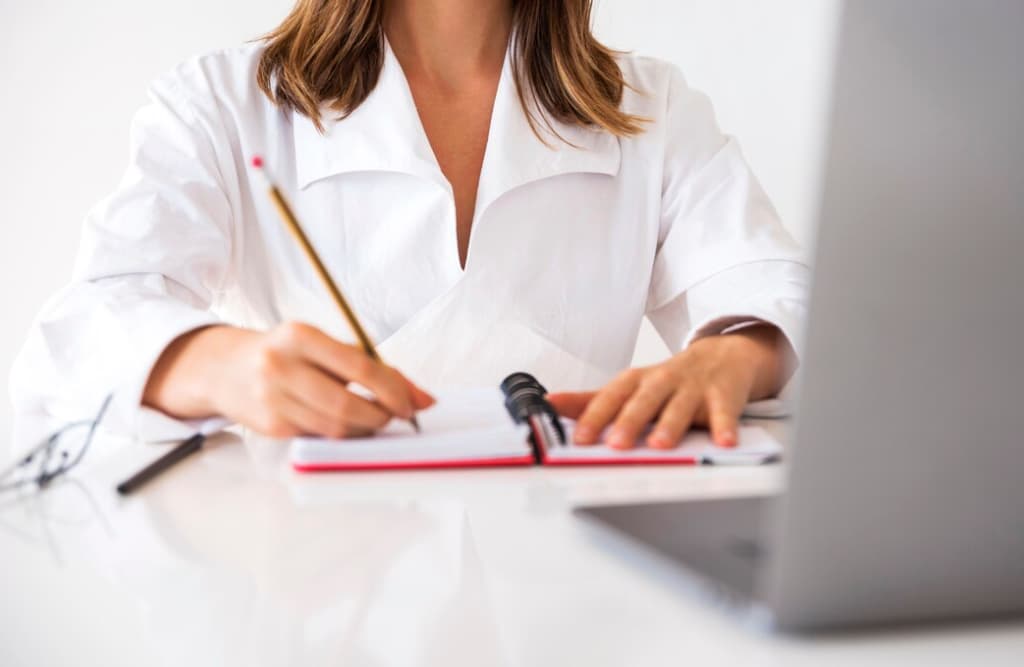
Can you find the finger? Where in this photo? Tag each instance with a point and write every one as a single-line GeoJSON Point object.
{"type": "Point", "coordinates": [346, 409]}
{"type": "Point", "coordinates": [309, 421]}
{"type": "Point", "coordinates": [421, 400]}
{"type": "Point", "coordinates": [327, 395]}
{"type": "Point", "coordinates": [604, 406]}
{"type": "Point", "coordinates": [571, 404]}
{"type": "Point", "coordinates": [352, 364]}
{"type": "Point", "coordinates": [676, 418]}
{"type": "Point", "coordinates": [724, 409]}
{"type": "Point", "coordinates": [282, 416]}
{"type": "Point", "coordinates": [638, 412]}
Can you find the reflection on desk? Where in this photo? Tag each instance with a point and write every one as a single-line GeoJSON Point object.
{"type": "Point", "coordinates": [234, 559]}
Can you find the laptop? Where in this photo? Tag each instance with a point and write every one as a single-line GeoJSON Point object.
{"type": "Point", "coordinates": [904, 499]}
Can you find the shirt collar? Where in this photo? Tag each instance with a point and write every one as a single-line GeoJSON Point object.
{"type": "Point", "coordinates": [385, 134]}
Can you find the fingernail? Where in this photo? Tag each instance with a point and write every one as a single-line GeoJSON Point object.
{"type": "Point", "coordinates": [727, 439]}
{"type": "Point", "coordinates": [660, 440]}
{"type": "Point", "coordinates": [617, 440]}
{"type": "Point", "coordinates": [584, 434]}
{"type": "Point", "coordinates": [421, 395]}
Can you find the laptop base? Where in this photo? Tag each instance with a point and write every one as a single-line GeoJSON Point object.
{"type": "Point", "coordinates": [719, 540]}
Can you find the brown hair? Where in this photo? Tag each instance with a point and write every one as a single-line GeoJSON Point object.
{"type": "Point", "coordinates": [331, 52]}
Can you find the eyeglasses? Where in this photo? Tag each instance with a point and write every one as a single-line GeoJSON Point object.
{"type": "Point", "coordinates": [54, 456]}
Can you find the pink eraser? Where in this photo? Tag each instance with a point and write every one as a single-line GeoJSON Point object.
{"type": "Point", "coordinates": [257, 161]}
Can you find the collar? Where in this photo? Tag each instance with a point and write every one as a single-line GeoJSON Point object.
{"type": "Point", "coordinates": [385, 134]}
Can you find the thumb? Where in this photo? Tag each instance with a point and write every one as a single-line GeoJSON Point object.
{"type": "Point", "coordinates": [570, 404]}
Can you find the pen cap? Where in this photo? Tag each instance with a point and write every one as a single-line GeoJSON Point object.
{"type": "Point", "coordinates": [524, 396]}
{"type": "Point", "coordinates": [525, 402]}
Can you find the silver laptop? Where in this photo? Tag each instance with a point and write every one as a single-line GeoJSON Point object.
{"type": "Point", "coordinates": [905, 492]}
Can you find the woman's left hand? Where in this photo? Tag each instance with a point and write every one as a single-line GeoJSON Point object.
{"type": "Point", "coordinates": [707, 384]}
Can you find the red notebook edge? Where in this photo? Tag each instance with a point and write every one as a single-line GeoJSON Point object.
{"type": "Point", "coordinates": [503, 461]}
{"type": "Point", "coordinates": [513, 461]}
{"type": "Point", "coordinates": [498, 462]}
{"type": "Point", "coordinates": [623, 460]}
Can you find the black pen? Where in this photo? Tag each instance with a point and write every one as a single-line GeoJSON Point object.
{"type": "Point", "coordinates": [178, 453]}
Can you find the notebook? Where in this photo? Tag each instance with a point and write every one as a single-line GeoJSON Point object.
{"type": "Point", "coordinates": [474, 428]}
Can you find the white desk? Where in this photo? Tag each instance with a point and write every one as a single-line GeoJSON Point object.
{"type": "Point", "coordinates": [233, 559]}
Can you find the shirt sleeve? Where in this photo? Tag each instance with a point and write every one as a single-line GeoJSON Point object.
{"type": "Point", "coordinates": [154, 256]}
{"type": "Point", "coordinates": [724, 259]}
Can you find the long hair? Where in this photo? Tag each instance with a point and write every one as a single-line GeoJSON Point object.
{"type": "Point", "coordinates": [330, 52]}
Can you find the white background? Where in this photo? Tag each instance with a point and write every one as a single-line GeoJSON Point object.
{"type": "Point", "coordinates": [72, 73]}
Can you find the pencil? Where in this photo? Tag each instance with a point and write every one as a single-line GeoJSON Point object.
{"type": "Point", "coordinates": [295, 228]}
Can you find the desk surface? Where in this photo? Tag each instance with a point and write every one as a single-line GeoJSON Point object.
{"type": "Point", "coordinates": [233, 559]}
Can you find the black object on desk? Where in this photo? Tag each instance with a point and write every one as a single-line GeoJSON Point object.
{"type": "Point", "coordinates": [178, 453]}
{"type": "Point", "coordinates": [525, 402]}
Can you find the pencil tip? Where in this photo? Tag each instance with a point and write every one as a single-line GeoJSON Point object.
{"type": "Point", "coordinates": [415, 423]}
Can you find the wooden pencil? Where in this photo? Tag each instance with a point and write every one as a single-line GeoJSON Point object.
{"type": "Point", "coordinates": [292, 223]}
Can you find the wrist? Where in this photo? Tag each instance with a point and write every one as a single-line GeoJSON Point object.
{"type": "Point", "coordinates": [769, 353]}
{"type": "Point", "coordinates": [188, 379]}
{"type": "Point", "coordinates": [759, 351]}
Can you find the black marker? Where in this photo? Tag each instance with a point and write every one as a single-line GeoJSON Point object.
{"type": "Point", "coordinates": [179, 453]}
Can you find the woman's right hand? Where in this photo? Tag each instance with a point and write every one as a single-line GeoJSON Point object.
{"type": "Point", "coordinates": [290, 381]}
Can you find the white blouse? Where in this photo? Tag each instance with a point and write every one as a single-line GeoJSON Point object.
{"type": "Point", "coordinates": [571, 246]}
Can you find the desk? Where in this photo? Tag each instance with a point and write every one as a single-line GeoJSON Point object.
{"type": "Point", "coordinates": [233, 559]}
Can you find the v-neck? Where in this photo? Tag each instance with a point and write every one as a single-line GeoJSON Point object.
{"type": "Point", "coordinates": [454, 258]}
{"type": "Point", "coordinates": [385, 134]}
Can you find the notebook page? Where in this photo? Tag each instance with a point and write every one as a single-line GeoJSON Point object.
{"type": "Point", "coordinates": [756, 445]}
{"type": "Point", "coordinates": [464, 425]}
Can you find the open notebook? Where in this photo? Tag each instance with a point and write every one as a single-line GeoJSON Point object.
{"type": "Point", "coordinates": [471, 428]}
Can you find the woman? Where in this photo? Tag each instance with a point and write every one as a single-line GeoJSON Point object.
{"type": "Point", "coordinates": [494, 190]}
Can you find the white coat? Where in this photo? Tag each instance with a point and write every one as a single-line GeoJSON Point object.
{"type": "Point", "coordinates": [570, 246]}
